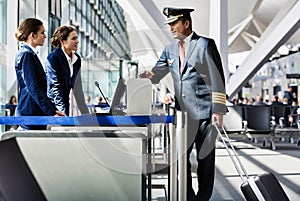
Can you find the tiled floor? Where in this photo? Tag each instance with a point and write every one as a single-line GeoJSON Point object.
{"type": "Point", "coordinates": [284, 162]}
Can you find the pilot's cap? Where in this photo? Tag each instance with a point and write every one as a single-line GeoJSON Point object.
{"type": "Point", "coordinates": [174, 14]}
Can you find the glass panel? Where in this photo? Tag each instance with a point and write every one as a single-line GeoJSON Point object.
{"type": "Point", "coordinates": [89, 18]}
{"type": "Point", "coordinates": [26, 9]}
{"type": "Point", "coordinates": [58, 8]}
{"type": "Point", "coordinates": [83, 7]}
{"type": "Point", "coordinates": [3, 21]}
{"type": "Point", "coordinates": [42, 10]}
{"type": "Point", "coordinates": [52, 7]}
{"type": "Point", "coordinates": [72, 12]}
{"type": "Point", "coordinates": [3, 55]}
{"type": "Point", "coordinates": [78, 3]}
{"type": "Point", "coordinates": [53, 24]}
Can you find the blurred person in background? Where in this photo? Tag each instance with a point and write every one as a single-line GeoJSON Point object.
{"type": "Point", "coordinates": [12, 103]}
{"type": "Point", "coordinates": [11, 107]}
{"type": "Point", "coordinates": [288, 95]}
{"type": "Point", "coordinates": [294, 117]}
{"type": "Point", "coordinates": [259, 101]}
{"type": "Point", "coordinates": [275, 101]}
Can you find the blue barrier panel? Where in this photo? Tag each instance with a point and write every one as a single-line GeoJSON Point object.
{"type": "Point", "coordinates": [36, 120]}
{"type": "Point", "coordinates": [121, 120]}
{"type": "Point", "coordinates": [85, 120]}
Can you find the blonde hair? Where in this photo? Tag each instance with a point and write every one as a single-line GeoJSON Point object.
{"type": "Point", "coordinates": [61, 33]}
{"type": "Point", "coordinates": [28, 26]}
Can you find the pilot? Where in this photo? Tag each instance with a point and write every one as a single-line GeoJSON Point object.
{"type": "Point", "coordinates": [198, 79]}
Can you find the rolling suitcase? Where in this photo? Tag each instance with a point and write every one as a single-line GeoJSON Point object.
{"type": "Point", "coordinates": [264, 187]}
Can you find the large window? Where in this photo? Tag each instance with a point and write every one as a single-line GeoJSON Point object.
{"type": "Point", "coordinates": [97, 22]}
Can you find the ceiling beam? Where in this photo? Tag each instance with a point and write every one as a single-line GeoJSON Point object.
{"type": "Point", "coordinates": [238, 30]}
{"type": "Point", "coordinates": [154, 12]}
{"type": "Point", "coordinates": [250, 39]}
{"type": "Point", "coordinates": [284, 25]}
{"type": "Point", "coordinates": [260, 27]}
{"type": "Point", "coordinates": [256, 7]}
{"type": "Point", "coordinates": [146, 29]}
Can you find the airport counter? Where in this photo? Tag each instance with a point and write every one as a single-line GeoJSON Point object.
{"type": "Point", "coordinates": [90, 157]}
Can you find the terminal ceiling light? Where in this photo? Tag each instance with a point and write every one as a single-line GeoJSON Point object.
{"type": "Point", "coordinates": [283, 50]}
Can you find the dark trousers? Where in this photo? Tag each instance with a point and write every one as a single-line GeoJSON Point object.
{"type": "Point", "coordinates": [200, 134]}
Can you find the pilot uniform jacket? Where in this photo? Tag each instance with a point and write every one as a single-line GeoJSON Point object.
{"type": "Point", "coordinates": [33, 100]}
{"type": "Point", "coordinates": [200, 88]}
{"type": "Point", "coordinates": [60, 82]}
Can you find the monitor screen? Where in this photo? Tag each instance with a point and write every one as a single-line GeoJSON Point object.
{"type": "Point", "coordinates": [118, 103]}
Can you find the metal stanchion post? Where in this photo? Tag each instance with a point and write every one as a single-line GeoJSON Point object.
{"type": "Point", "coordinates": [173, 163]}
{"type": "Point", "coordinates": [178, 158]}
{"type": "Point", "coordinates": [150, 165]}
{"type": "Point", "coordinates": [181, 143]}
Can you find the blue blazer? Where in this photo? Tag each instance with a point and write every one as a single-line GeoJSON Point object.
{"type": "Point", "coordinates": [200, 88]}
{"type": "Point", "coordinates": [59, 81]}
{"type": "Point", "coordinates": [33, 100]}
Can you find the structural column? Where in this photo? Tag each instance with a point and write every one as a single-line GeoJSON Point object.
{"type": "Point", "coordinates": [218, 28]}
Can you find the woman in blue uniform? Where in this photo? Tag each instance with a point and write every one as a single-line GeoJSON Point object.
{"type": "Point", "coordinates": [63, 71]}
{"type": "Point", "coordinates": [33, 100]}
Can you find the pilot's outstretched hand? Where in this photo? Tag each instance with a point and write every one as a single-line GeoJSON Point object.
{"type": "Point", "coordinates": [146, 74]}
{"type": "Point", "coordinates": [59, 113]}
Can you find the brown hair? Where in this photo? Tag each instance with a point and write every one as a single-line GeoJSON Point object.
{"type": "Point", "coordinates": [28, 26]}
{"type": "Point", "coordinates": [188, 18]}
{"type": "Point", "coordinates": [61, 33]}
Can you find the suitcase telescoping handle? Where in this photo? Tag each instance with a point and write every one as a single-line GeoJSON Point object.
{"type": "Point", "coordinates": [238, 164]}
{"type": "Point", "coordinates": [233, 155]}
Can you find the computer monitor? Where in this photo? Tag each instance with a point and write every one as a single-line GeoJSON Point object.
{"type": "Point", "coordinates": [116, 106]}
{"type": "Point", "coordinates": [118, 101]}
